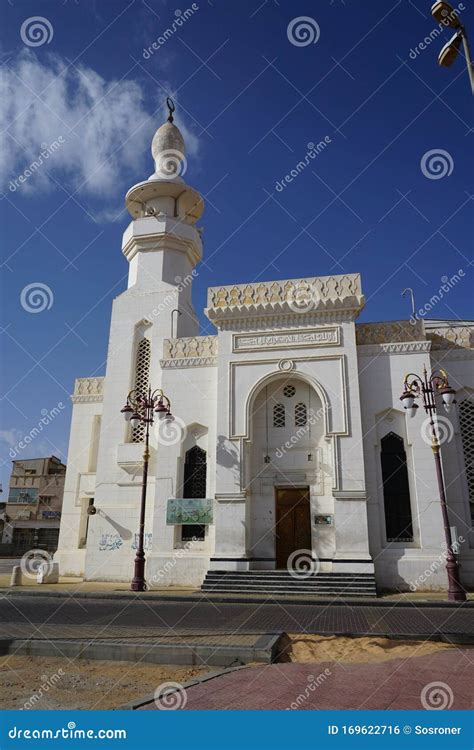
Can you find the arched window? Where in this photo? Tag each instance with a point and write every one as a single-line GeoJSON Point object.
{"type": "Point", "coordinates": [396, 490]}
{"type": "Point", "coordinates": [142, 377]}
{"type": "Point", "coordinates": [466, 423]}
{"type": "Point", "coordinates": [278, 415]}
{"type": "Point", "coordinates": [194, 485]}
{"type": "Point", "coordinates": [301, 415]}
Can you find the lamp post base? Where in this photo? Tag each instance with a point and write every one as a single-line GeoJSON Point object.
{"type": "Point", "coordinates": [456, 592]}
{"type": "Point", "coordinates": [138, 580]}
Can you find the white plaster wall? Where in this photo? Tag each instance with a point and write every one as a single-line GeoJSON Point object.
{"type": "Point", "coordinates": [193, 395]}
{"type": "Point", "coordinates": [78, 487]}
{"type": "Point", "coordinates": [404, 565]}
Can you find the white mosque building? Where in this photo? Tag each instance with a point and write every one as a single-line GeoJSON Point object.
{"type": "Point", "coordinates": [290, 441]}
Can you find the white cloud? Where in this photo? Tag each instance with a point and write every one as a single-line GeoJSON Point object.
{"type": "Point", "coordinates": [10, 437]}
{"type": "Point", "coordinates": [102, 127]}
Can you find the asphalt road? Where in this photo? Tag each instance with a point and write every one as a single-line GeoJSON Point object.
{"type": "Point", "coordinates": [354, 619]}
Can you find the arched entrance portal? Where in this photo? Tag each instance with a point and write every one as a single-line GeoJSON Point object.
{"type": "Point", "coordinates": [289, 473]}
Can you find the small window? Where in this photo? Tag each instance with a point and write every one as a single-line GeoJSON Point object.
{"type": "Point", "coordinates": [396, 489]}
{"type": "Point", "coordinates": [193, 533]}
{"type": "Point", "coordinates": [301, 416]}
{"type": "Point", "coordinates": [278, 415]}
{"type": "Point", "coordinates": [289, 391]}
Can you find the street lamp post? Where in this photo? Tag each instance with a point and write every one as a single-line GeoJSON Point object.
{"type": "Point", "coordinates": [445, 14]}
{"type": "Point", "coordinates": [427, 387]}
{"type": "Point", "coordinates": [140, 409]}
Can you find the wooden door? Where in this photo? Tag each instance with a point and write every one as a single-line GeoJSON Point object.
{"type": "Point", "coordinates": [293, 523]}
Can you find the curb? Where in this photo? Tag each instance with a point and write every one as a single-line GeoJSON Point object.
{"type": "Point", "coordinates": [222, 599]}
{"type": "Point", "coordinates": [150, 698]}
{"type": "Point", "coordinates": [263, 650]}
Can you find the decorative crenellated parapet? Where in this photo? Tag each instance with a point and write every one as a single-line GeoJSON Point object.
{"type": "Point", "coordinates": [290, 298]}
{"type": "Point", "coordinates": [88, 390]}
{"type": "Point", "coordinates": [415, 335]}
{"type": "Point", "coordinates": [194, 351]}
{"type": "Point", "coordinates": [450, 336]}
{"type": "Point", "coordinates": [392, 332]}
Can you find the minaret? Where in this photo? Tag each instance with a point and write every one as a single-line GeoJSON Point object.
{"type": "Point", "coordinates": [162, 243]}
{"type": "Point", "coordinates": [162, 246]}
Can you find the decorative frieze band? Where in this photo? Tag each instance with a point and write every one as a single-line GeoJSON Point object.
{"type": "Point", "coordinates": [195, 351]}
{"type": "Point", "coordinates": [88, 390]}
{"type": "Point", "coordinates": [403, 347]}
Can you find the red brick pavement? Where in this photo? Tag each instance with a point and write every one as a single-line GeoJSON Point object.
{"type": "Point", "coordinates": [393, 684]}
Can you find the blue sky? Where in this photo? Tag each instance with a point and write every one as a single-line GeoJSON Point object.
{"type": "Point", "coordinates": [249, 101]}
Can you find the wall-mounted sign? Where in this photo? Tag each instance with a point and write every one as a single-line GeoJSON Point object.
{"type": "Point", "coordinates": [188, 511]}
{"type": "Point", "coordinates": [323, 520]}
{"type": "Point", "coordinates": [312, 337]}
{"type": "Point", "coordinates": [51, 514]}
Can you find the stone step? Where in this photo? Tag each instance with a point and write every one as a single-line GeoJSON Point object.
{"type": "Point", "coordinates": [287, 591]}
{"type": "Point", "coordinates": [289, 581]}
{"type": "Point", "coordinates": [285, 576]}
{"type": "Point", "coordinates": [284, 583]}
{"type": "Point", "coordinates": [309, 582]}
{"type": "Point", "coordinates": [289, 584]}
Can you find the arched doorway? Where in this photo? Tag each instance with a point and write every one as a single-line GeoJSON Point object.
{"type": "Point", "coordinates": [287, 470]}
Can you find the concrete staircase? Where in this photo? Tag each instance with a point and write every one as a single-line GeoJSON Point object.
{"type": "Point", "coordinates": [282, 583]}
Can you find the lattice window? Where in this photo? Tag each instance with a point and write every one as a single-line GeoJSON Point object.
{"type": "Point", "coordinates": [289, 391]}
{"type": "Point", "coordinates": [194, 485]}
{"type": "Point", "coordinates": [278, 415]}
{"type": "Point", "coordinates": [301, 415]}
{"type": "Point", "coordinates": [466, 423]}
{"type": "Point", "coordinates": [142, 376]}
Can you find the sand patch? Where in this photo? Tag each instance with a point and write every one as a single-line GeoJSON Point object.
{"type": "Point", "coordinates": [319, 648]}
{"type": "Point", "coordinates": [85, 684]}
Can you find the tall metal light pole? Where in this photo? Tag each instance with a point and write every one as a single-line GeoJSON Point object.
{"type": "Point", "coordinates": [426, 388]}
{"type": "Point", "coordinates": [140, 409]}
{"type": "Point", "coordinates": [445, 14]}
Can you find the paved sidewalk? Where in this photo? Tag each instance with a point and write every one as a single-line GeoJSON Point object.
{"type": "Point", "coordinates": [442, 680]}
{"type": "Point", "coordinates": [453, 624]}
